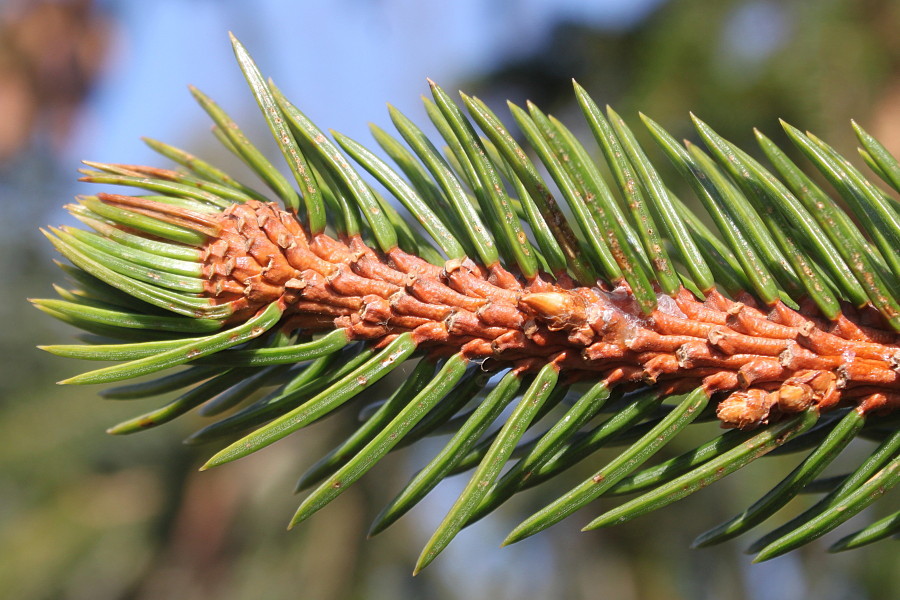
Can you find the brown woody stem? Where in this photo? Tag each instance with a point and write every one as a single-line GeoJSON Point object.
{"type": "Point", "coordinates": [769, 363]}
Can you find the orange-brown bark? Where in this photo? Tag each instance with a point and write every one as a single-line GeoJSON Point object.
{"type": "Point", "coordinates": [769, 361]}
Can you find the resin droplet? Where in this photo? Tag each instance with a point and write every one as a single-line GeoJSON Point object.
{"type": "Point", "coordinates": [559, 310]}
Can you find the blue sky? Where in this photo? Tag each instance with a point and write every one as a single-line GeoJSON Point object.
{"type": "Point", "coordinates": [340, 61]}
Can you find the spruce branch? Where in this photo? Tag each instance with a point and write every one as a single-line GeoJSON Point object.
{"type": "Point", "coordinates": [620, 325]}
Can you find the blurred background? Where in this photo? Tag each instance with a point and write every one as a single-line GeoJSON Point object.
{"type": "Point", "coordinates": [84, 515]}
